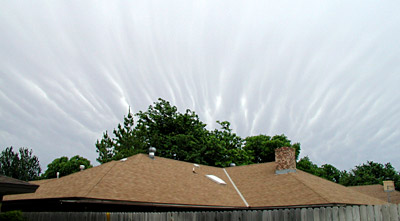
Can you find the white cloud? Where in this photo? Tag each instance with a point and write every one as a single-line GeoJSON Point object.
{"type": "Point", "coordinates": [323, 73]}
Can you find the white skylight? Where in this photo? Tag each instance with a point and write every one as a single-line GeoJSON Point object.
{"type": "Point", "coordinates": [216, 179]}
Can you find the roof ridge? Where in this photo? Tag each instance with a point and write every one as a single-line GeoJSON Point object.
{"type": "Point", "coordinates": [88, 192]}
{"type": "Point", "coordinates": [309, 187]}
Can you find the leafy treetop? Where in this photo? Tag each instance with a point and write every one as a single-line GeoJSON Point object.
{"type": "Point", "coordinates": [182, 136]}
{"type": "Point", "coordinates": [366, 174]}
{"type": "Point", "coordinates": [22, 165]}
{"type": "Point", "coordinates": [65, 166]}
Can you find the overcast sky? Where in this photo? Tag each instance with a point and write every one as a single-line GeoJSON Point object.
{"type": "Point", "coordinates": [324, 73]}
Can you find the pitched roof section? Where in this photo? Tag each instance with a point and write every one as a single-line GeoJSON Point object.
{"type": "Point", "coordinates": [261, 187]}
{"type": "Point", "coordinates": [165, 181]}
{"type": "Point", "coordinates": [141, 179]}
{"type": "Point", "coordinates": [74, 185]}
{"type": "Point", "coordinates": [10, 185]}
{"type": "Point", "coordinates": [377, 192]}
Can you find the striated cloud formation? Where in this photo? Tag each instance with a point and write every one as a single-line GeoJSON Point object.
{"type": "Point", "coordinates": [326, 74]}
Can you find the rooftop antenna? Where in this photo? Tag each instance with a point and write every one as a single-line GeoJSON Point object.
{"type": "Point", "coordinates": [152, 151]}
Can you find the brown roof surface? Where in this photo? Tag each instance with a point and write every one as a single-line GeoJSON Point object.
{"type": "Point", "coordinates": [261, 187]}
{"type": "Point", "coordinates": [377, 192]}
{"type": "Point", "coordinates": [166, 181]}
{"type": "Point", "coordinates": [141, 179]}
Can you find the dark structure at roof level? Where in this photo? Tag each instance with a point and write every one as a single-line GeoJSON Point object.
{"type": "Point", "coordinates": [10, 185]}
{"type": "Point", "coordinates": [142, 184]}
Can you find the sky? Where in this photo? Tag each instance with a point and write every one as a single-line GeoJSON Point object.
{"type": "Point", "coordinates": [324, 73]}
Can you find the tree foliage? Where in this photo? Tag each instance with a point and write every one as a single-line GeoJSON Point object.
{"type": "Point", "coordinates": [22, 165]}
{"type": "Point", "coordinates": [365, 174]}
{"type": "Point", "coordinates": [125, 142]}
{"type": "Point", "coordinates": [183, 136]}
{"type": "Point", "coordinates": [306, 165]}
{"type": "Point", "coordinates": [175, 135]}
{"type": "Point", "coordinates": [371, 173]}
{"type": "Point", "coordinates": [65, 166]}
{"type": "Point", "coordinates": [224, 147]}
{"type": "Point", "coordinates": [263, 146]}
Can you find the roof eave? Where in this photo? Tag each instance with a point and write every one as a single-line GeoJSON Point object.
{"type": "Point", "coordinates": [133, 203]}
{"type": "Point", "coordinates": [302, 206]}
{"type": "Point", "coordinates": [12, 188]}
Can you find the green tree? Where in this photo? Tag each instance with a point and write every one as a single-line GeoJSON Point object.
{"type": "Point", "coordinates": [182, 136]}
{"type": "Point", "coordinates": [263, 147]}
{"type": "Point", "coordinates": [365, 174]}
{"type": "Point", "coordinates": [125, 142]}
{"type": "Point", "coordinates": [330, 173]}
{"type": "Point", "coordinates": [371, 173]}
{"type": "Point", "coordinates": [225, 147]}
{"type": "Point", "coordinates": [176, 135]}
{"type": "Point", "coordinates": [326, 171]}
{"type": "Point", "coordinates": [65, 166]}
{"type": "Point", "coordinates": [21, 165]}
{"type": "Point", "coordinates": [306, 165]}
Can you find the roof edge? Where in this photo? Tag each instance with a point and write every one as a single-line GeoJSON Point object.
{"type": "Point", "coordinates": [137, 203]}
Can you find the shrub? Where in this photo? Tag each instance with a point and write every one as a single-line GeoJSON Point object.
{"type": "Point", "coordinates": [15, 215]}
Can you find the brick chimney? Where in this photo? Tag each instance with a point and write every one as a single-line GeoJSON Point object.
{"type": "Point", "coordinates": [285, 159]}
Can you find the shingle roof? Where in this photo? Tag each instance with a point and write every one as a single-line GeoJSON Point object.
{"type": "Point", "coordinates": [263, 188]}
{"type": "Point", "coordinates": [10, 185]}
{"type": "Point", "coordinates": [377, 192]}
{"type": "Point", "coordinates": [166, 181]}
{"type": "Point", "coordinates": [140, 179]}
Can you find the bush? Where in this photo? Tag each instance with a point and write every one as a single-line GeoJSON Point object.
{"type": "Point", "coordinates": [15, 215]}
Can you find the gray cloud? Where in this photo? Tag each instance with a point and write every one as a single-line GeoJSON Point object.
{"type": "Point", "coordinates": [325, 74]}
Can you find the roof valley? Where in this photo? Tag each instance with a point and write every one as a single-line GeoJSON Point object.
{"type": "Point", "coordinates": [138, 157]}
{"type": "Point", "coordinates": [309, 187]}
{"type": "Point", "coordinates": [94, 186]}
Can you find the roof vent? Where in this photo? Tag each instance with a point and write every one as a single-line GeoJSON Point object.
{"type": "Point", "coordinates": [195, 166]}
{"type": "Point", "coordinates": [58, 175]}
{"type": "Point", "coordinates": [82, 167]}
{"type": "Point", "coordinates": [216, 179]}
{"type": "Point", "coordinates": [152, 151]}
{"type": "Point", "coordinates": [232, 165]}
{"type": "Point", "coordinates": [123, 159]}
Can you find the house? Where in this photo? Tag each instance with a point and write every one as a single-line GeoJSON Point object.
{"type": "Point", "coordinates": [143, 183]}
{"type": "Point", "coordinates": [10, 185]}
{"type": "Point", "coordinates": [378, 192]}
